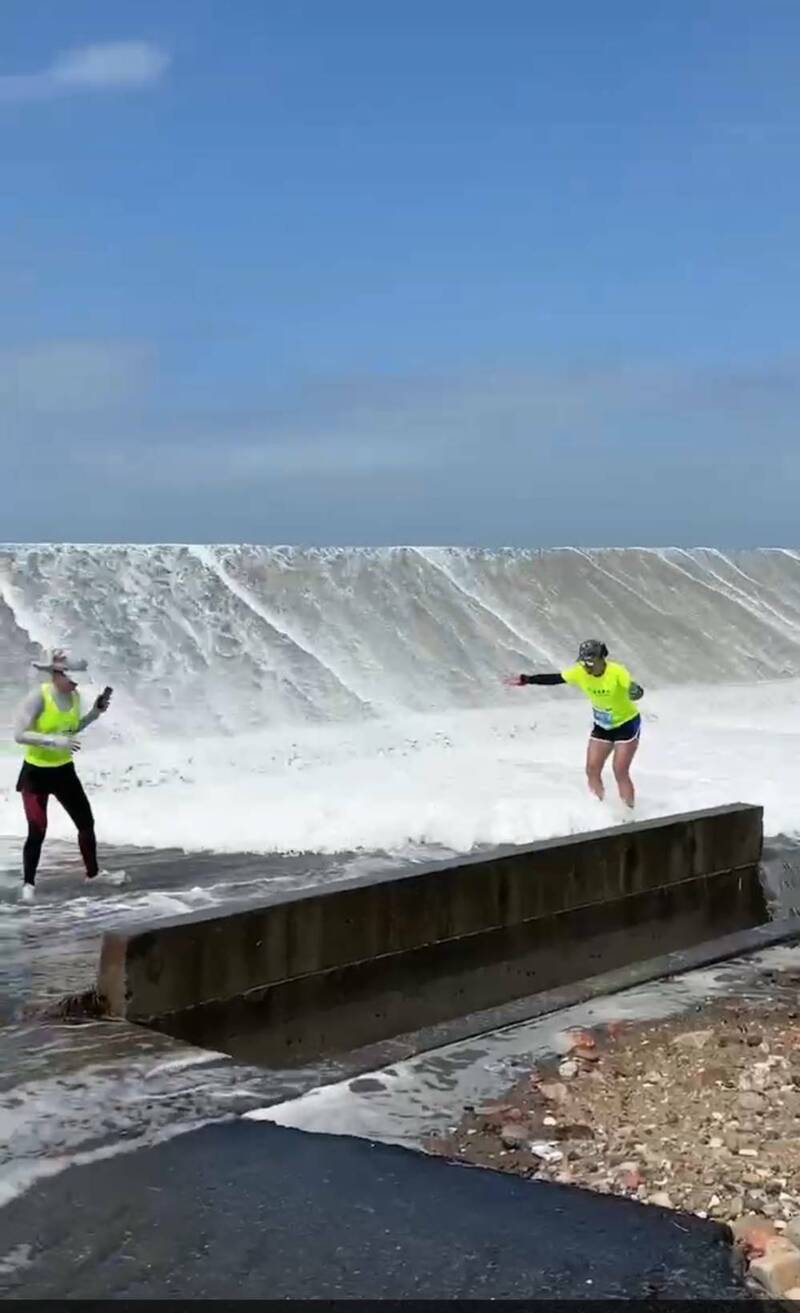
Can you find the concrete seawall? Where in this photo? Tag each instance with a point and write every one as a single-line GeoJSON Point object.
{"type": "Point", "coordinates": [331, 970]}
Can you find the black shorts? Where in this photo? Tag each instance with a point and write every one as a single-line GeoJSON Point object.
{"type": "Point", "coordinates": [46, 779]}
{"type": "Point", "coordinates": [626, 733]}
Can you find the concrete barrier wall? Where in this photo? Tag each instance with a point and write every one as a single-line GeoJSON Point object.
{"type": "Point", "coordinates": [356, 963]}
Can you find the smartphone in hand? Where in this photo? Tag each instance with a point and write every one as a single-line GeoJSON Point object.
{"type": "Point", "coordinates": [104, 699]}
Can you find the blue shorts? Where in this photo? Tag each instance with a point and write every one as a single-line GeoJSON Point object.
{"type": "Point", "coordinates": [626, 733]}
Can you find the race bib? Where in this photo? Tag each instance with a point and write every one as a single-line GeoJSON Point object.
{"type": "Point", "coordinates": [603, 719]}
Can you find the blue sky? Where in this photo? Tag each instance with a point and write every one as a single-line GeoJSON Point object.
{"type": "Point", "coordinates": [372, 272]}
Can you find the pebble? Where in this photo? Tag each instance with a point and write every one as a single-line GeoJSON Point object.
{"type": "Point", "coordinates": [751, 1101]}
{"type": "Point", "coordinates": [554, 1091]}
{"type": "Point", "coordinates": [753, 1231]}
{"type": "Point", "coordinates": [630, 1178]}
{"type": "Point", "coordinates": [778, 1270]}
{"type": "Point", "coordinates": [547, 1152]}
{"type": "Point", "coordinates": [581, 1039]}
{"type": "Point", "coordinates": [663, 1143]}
{"type": "Point", "coordinates": [513, 1136]}
{"type": "Point", "coordinates": [586, 1054]}
{"type": "Point", "coordinates": [693, 1039]}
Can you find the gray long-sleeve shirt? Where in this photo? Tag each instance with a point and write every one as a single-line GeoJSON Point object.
{"type": "Point", "coordinates": [32, 708]}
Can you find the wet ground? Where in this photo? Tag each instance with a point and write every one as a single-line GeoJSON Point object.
{"type": "Point", "coordinates": [76, 1095]}
{"type": "Point", "coordinates": [51, 948]}
{"type": "Point", "coordinates": [406, 1102]}
{"type": "Point", "coordinates": [244, 1211]}
{"type": "Point", "coordinates": [72, 1093]}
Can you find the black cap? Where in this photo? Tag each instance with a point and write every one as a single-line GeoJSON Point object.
{"type": "Point", "coordinates": [592, 649]}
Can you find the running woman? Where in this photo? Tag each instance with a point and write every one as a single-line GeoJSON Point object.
{"type": "Point", "coordinates": [617, 723]}
{"type": "Point", "coordinates": [48, 725]}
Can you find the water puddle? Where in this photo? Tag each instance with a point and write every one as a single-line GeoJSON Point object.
{"type": "Point", "coordinates": [405, 1102]}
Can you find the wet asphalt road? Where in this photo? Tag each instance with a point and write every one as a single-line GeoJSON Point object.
{"type": "Point", "coordinates": [249, 1210]}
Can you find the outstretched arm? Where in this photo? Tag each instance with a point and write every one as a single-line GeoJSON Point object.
{"type": "Point", "coordinates": [518, 680]}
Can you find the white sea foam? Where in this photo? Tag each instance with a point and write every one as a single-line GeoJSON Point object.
{"type": "Point", "coordinates": [453, 780]}
{"type": "Point", "coordinates": [324, 700]}
{"type": "Point", "coordinates": [226, 639]}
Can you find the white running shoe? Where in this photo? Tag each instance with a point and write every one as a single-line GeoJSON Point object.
{"type": "Point", "coordinates": [107, 877]}
{"type": "Point", "coordinates": [28, 893]}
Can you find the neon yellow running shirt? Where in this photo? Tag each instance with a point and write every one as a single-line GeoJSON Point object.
{"type": "Point", "coordinates": [52, 720]}
{"type": "Point", "coordinates": [608, 693]}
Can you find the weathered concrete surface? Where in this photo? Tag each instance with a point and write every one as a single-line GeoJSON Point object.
{"type": "Point", "coordinates": [330, 1012]}
{"type": "Point", "coordinates": [253, 1211]}
{"type": "Point", "coordinates": [345, 967]}
{"type": "Point", "coordinates": [663, 968]}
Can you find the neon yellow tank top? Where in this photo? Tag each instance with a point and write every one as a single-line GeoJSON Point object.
{"type": "Point", "coordinates": [52, 720]}
{"type": "Point", "coordinates": [608, 693]}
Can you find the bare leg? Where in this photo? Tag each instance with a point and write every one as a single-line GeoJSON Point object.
{"type": "Point", "coordinates": [624, 754]}
{"type": "Point", "coordinates": [597, 754]}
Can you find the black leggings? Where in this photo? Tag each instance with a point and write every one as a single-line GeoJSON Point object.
{"type": "Point", "coordinates": [69, 792]}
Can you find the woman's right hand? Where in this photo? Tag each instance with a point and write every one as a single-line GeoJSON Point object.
{"type": "Point", "coordinates": [512, 681]}
{"type": "Point", "coordinates": [65, 743]}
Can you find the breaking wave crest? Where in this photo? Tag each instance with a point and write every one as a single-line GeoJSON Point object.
{"type": "Point", "coordinates": [228, 639]}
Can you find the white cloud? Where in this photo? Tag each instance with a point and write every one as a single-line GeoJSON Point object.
{"type": "Point", "coordinates": [114, 66]}
{"type": "Point", "coordinates": [69, 377]}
